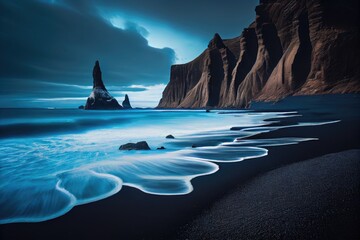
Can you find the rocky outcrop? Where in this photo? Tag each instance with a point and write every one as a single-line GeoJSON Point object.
{"type": "Point", "coordinates": [126, 103]}
{"type": "Point", "coordinates": [294, 47]}
{"type": "Point", "coordinates": [135, 146]}
{"type": "Point", "coordinates": [100, 98]}
{"type": "Point", "coordinates": [201, 82]}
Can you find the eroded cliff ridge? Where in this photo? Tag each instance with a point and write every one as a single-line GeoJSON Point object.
{"type": "Point", "coordinates": [294, 47]}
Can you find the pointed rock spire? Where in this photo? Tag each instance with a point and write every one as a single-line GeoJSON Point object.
{"type": "Point", "coordinates": [97, 83]}
{"type": "Point", "coordinates": [126, 103]}
{"type": "Point", "coordinates": [216, 42]}
{"type": "Point", "coordinates": [100, 98]}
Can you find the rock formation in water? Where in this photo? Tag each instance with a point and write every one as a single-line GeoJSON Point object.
{"type": "Point", "coordinates": [294, 47]}
{"type": "Point", "coordinates": [100, 98]}
{"type": "Point", "coordinates": [135, 146]}
{"type": "Point", "coordinates": [170, 136]}
{"type": "Point", "coordinates": [126, 103]}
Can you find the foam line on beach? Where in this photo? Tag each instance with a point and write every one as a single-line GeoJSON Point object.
{"type": "Point", "coordinates": [264, 129]}
{"type": "Point", "coordinates": [267, 142]}
{"type": "Point", "coordinates": [64, 171]}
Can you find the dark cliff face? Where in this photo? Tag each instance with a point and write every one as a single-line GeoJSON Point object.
{"type": "Point", "coordinates": [197, 84]}
{"type": "Point", "coordinates": [100, 98]}
{"type": "Point", "coordinates": [294, 47]}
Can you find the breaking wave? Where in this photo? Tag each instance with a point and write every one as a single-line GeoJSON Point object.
{"type": "Point", "coordinates": [45, 177]}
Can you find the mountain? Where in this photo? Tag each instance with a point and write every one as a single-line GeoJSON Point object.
{"type": "Point", "coordinates": [126, 103]}
{"type": "Point", "coordinates": [100, 98]}
{"type": "Point", "coordinates": [294, 47]}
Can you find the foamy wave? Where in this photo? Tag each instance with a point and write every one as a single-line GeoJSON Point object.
{"type": "Point", "coordinates": [46, 199]}
{"type": "Point", "coordinates": [43, 178]}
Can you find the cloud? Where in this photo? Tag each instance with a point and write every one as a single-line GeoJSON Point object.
{"type": "Point", "coordinates": [48, 47]}
{"type": "Point", "coordinates": [136, 94]}
{"type": "Point", "coordinates": [45, 42]}
{"type": "Point", "coordinates": [158, 35]}
{"type": "Point", "coordinates": [83, 99]}
{"type": "Point", "coordinates": [201, 18]}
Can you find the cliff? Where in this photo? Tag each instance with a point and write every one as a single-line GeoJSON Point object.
{"type": "Point", "coordinates": [294, 47]}
{"type": "Point", "coordinates": [198, 83]}
{"type": "Point", "coordinates": [100, 98]}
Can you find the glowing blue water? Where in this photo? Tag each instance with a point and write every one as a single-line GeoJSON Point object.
{"type": "Point", "coordinates": [53, 160]}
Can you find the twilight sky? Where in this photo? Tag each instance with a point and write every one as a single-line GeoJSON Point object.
{"type": "Point", "coordinates": [49, 47]}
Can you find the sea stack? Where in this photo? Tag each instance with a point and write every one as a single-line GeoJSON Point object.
{"type": "Point", "coordinates": [126, 103]}
{"type": "Point", "coordinates": [100, 98]}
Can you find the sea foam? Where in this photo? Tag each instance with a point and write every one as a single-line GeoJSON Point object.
{"type": "Point", "coordinates": [43, 177]}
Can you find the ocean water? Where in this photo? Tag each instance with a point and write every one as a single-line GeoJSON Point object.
{"type": "Point", "coordinates": [54, 159]}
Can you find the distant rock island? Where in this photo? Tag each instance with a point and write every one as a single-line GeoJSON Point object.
{"type": "Point", "coordinates": [126, 103]}
{"type": "Point", "coordinates": [100, 98]}
{"type": "Point", "coordinates": [298, 47]}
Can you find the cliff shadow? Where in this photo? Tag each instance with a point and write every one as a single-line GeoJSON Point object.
{"type": "Point", "coordinates": [302, 63]}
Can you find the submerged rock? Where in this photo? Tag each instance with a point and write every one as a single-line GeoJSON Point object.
{"type": "Point", "coordinates": [161, 148]}
{"type": "Point", "coordinates": [100, 98]}
{"type": "Point", "coordinates": [81, 107]}
{"type": "Point", "coordinates": [170, 136]}
{"type": "Point", "coordinates": [126, 103]}
{"type": "Point", "coordinates": [135, 146]}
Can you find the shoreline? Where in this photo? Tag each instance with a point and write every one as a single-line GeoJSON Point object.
{"type": "Point", "coordinates": [312, 199]}
{"type": "Point", "coordinates": [132, 214]}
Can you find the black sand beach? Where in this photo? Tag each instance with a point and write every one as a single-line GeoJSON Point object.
{"type": "Point", "coordinates": [132, 214]}
{"type": "Point", "coordinates": [312, 199]}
